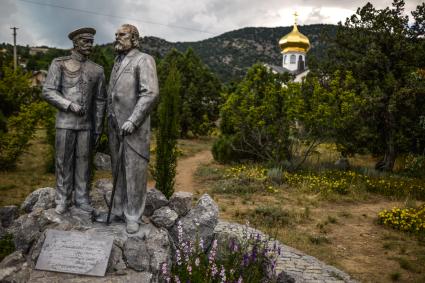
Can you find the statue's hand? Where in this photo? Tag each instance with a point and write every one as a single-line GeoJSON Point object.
{"type": "Point", "coordinates": [128, 128]}
{"type": "Point", "coordinates": [77, 109]}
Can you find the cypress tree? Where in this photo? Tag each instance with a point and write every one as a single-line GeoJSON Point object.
{"type": "Point", "coordinates": [167, 133]}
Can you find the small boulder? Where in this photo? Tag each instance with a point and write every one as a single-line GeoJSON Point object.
{"type": "Point", "coordinates": [102, 161]}
{"type": "Point", "coordinates": [155, 199]}
{"type": "Point", "coordinates": [12, 260]}
{"type": "Point", "coordinates": [284, 277]}
{"type": "Point", "coordinates": [7, 215]}
{"type": "Point", "coordinates": [200, 220]}
{"type": "Point", "coordinates": [43, 198]}
{"type": "Point", "coordinates": [14, 268]}
{"type": "Point", "coordinates": [342, 164]}
{"type": "Point", "coordinates": [116, 262]}
{"type": "Point", "coordinates": [181, 202]}
{"type": "Point", "coordinates": [25, 231]}
{"type": "Point", "coordinates": [164, 217]}
{"type": "Point", "coordinates": [148, 254]}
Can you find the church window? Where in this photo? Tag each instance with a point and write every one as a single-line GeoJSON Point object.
{"type": "Point", "coordinates": [293, 59]}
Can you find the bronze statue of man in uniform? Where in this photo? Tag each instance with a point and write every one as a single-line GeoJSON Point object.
{"type": "Point", "coordinates": [132, 94]}
{"type": "Point", "coordinates": [76, 87]}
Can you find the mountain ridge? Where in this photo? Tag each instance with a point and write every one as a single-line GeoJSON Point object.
{"type": "Point", "coordinates": [229, 55]}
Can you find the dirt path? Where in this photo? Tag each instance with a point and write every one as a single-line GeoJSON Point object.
{"type": "Point", "coordinates": [186, 169]}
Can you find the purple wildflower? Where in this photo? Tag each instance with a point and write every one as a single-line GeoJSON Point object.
{"type": "Point", "coordinates": [240, 279]}
{"type": "Point", "coordinates": [273, 265]}
{"type": "Point", "coordinates": [254, 253]}
{"type": "Point", "coordinates": [214, 270]}
{"type": "Point", "coordinates": [164, 268]}
{"type": "Point", "coordinates": [223, 274]}
{"type": "Point", "coordinates": [179, 232]}
{"type": "Point", "coordinates": [178, 257]}
{"type": "Point", "coordinates": [177, 279]}
{"type": "Point", "coordinates": [197, 261]}
{"type": "Point", "coordinates": [245, 260]}
{"type": "Point", "coordinates": [213, 251]}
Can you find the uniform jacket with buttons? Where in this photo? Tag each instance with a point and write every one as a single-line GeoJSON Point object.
{"type": "Point", "coordinates": [132, 94]}
{"type": "Point", "coordinates": [84, 86]}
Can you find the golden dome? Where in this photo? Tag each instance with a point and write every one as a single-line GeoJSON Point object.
{"type": "Point", "coordinates": [294, 41]}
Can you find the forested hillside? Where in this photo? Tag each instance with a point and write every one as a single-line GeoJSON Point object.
{"type": "Point", "coordinates": [228, 55]}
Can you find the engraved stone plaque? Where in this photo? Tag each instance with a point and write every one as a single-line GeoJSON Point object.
{"type": "Point", "coordinates": [75, 252]}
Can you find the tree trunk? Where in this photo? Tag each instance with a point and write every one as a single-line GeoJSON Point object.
{"type": "Point", "coordinates": [387, 162]}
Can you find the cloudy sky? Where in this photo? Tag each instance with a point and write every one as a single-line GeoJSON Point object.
{"type": "Point", "coordinates": [47, 22]}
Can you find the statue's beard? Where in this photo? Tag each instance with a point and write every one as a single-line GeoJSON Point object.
{"type": "Point", "coordinates": [123, 46]}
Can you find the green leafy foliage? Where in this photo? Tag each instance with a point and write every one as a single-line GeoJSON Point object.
{"type": "Point", "coordinates": [14, 91]}
{"type": "Point", "coordinates": [20, 110]}
{"type": "Point", "coordinates": [256, 117]}
{"type": "Point", "coordinates": [331, 111]}
{"type": "Point", "coordinates": [385, 56]}
{"type": "Point", "coordinates": [167, 133]}
{"type": "Point", "coordinates": [20, 129]}
{"type": "Point", "coordinates": [199, 92]}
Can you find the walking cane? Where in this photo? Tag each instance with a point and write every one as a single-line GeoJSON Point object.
{"type": "Point", "coordinates": [117, 170]}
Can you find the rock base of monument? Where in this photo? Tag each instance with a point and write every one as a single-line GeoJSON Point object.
{"type": "Point", "coordinates": [137, 257]}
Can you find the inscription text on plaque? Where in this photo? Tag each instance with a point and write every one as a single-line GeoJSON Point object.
{"type": "Point", "coordinates": [75, 252]}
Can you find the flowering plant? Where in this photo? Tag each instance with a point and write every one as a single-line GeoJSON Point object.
{"type": "Point", "coordinates": [250, 259]}
{"type": "Point", "coordinates": [407, 219]}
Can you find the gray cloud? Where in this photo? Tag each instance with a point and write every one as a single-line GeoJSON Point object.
{"type": "Point", "coordinates": [50, 26]}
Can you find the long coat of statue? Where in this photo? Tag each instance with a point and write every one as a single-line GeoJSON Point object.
{"type": "Point", "coordinates": [132, 94]}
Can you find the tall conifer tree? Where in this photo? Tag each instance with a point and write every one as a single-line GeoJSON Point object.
{"type": "Point", "coordinates": [167, 133]}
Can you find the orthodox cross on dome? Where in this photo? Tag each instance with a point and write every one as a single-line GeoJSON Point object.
{"type": "Point", "coordinates": [296, 17]}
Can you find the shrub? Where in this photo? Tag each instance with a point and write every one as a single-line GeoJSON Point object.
{"type": "Point", "coordinates": [222, 150]}
{"type": "Point", "coordinates": [20, 129]}
{"type": "Point", "coordinates": [256, 115]}
{"type": "Point", "coordinates": [275, 175]}
{"type": "Point", "coordinates": [414, 165]}
{"type": "Point", "coordinates": [407, 219]}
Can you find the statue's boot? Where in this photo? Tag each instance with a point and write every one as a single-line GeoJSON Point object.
{"type": "Point", "coordinates": [85, 207]}
{"type": "Point", "coordinates": [132, 227]}
{"type": "Point", "coordinates": [61, 209]}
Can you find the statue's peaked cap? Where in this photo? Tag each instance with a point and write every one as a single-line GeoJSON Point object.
{"type": "Point", "coordinates": [79, 31]}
